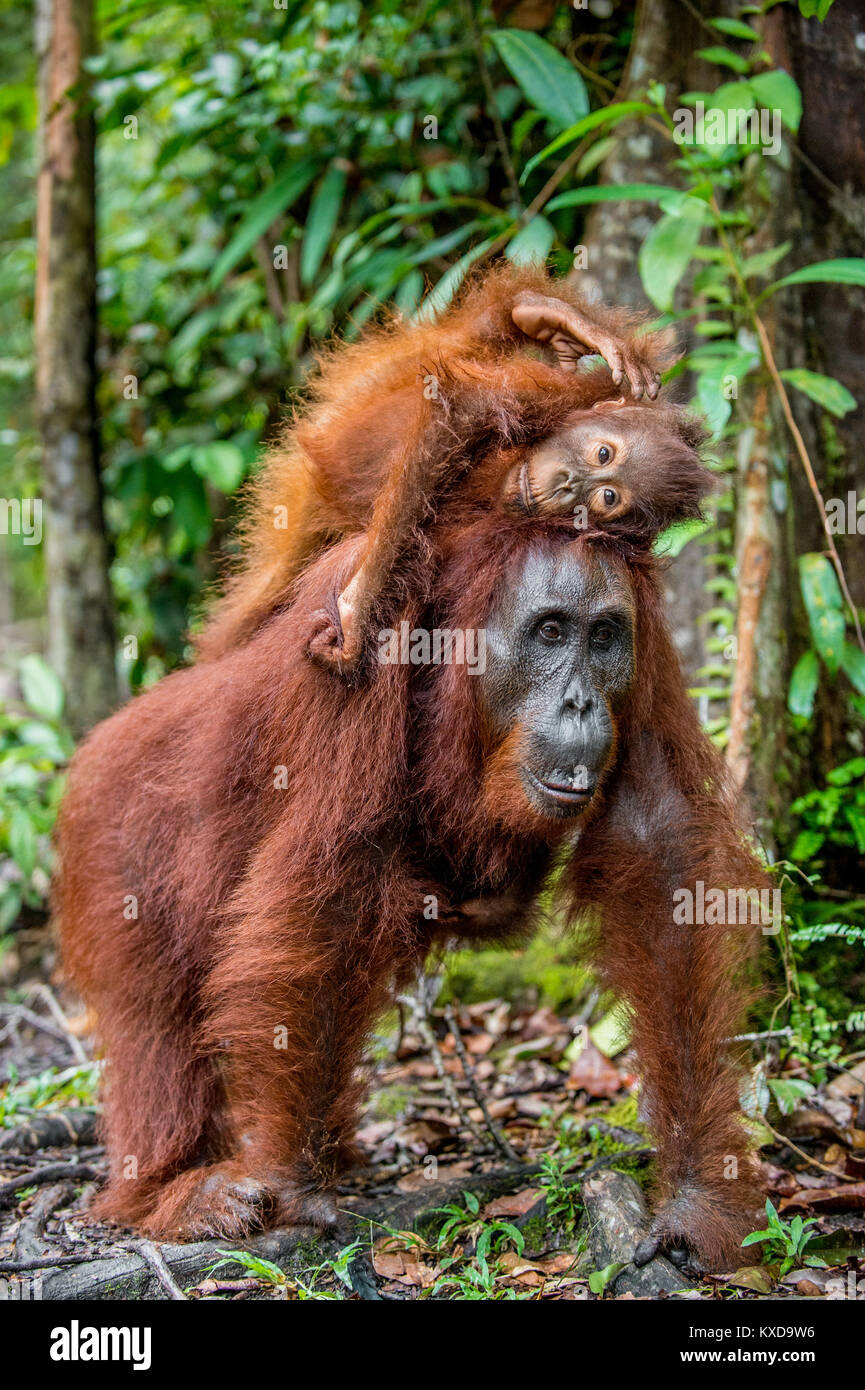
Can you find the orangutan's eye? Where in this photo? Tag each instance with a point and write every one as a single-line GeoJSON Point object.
{"type": "Point", "coordinates": [611, 497]}
{"type": "Point", "coordinates": [604, 454]}
{"type": "Point", "coordinates": [550, 631]}
{"type": "Point", "coordinates": [603, 634]}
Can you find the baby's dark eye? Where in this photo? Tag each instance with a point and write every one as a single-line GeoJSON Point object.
{"type": "Point", "coordinates": [611, 497]}
{"type": "Point", "coordinates": [604, 454]}
{"type": "Point", "coordinates": [550, 631]}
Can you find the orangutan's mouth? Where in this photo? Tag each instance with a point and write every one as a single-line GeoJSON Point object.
{"type": "Point", "coordinates": [560, 793]}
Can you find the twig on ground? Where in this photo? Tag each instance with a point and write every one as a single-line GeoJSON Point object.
{"type": "Point", "coordinates": [500, 1140]}
{"type": "Point", "coordinates": [813, 1162]}
{"type": "Point", "coordinates": [31, 1240]}
{"type": "Point", "coordinates": [153, 1257]}
{"type": "Point", "coordinates": [418, 1006]}
{"type": "Point", "coordinates": [47, 994]}
{"type": "Point", "coordinates": [76, 1172]}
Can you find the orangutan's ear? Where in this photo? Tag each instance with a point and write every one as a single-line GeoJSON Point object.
{"type": "Point", "coordinates": [610, 405]}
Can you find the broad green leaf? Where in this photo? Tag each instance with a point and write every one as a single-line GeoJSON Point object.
{"type": "Point", "coordinates": [847, 270]}
{"type": "Point", "coordinates": [609, 193]}
{"type": "Point", "coordinates": [665, 256]}
{"type": "Point", "coordinates": [803, 685]}
{"type": "Point", "coordinates": [824, 606]}
{"type": "Point", "coordinates": [532, 243]}
{"type": "Point", "coordinates": [736, 29]}
{"type": "Point", "coordinates": [323, 213]}
{"type": "Point", "coordinates": [670, 542]}
{"type": "Point", "coordinates": [809, 8]}
{"type": "Point", "coordinates": [221, 463]}
{"type": "Point", "coordinates": [608, 115]}
{"type": "Point", "coordinates": [684, 205]}
{"type": "Point", "coordinates": [856, 821]}
{"type": "Point", "coordinates": [261, 213]}
{"type": "Point", "coordinates": [763, 262]}
{"type": "Point", "coordinates": [41, 687]}
{"type": "Point", "coordinates": [22, 841]}
{"type": "Point", "coordinates": [853, 666]}
{"type": "Point", "coordinates": [722, 57]}
{"type": "Point", "coordinates": [825, 390]}
{"type": "Point", "coordinates": [544, 76]}
{"type": "Point", "coordinates": [789, 1093]}
{"type": "Point", "coordinates": [777, 91]}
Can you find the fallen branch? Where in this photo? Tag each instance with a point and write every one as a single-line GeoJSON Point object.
{"type": "Point", "coordinates": [51, 1129]}
{"type": "Point", "coordinates": [502, 1144]}
{"type": "Point", "coordinates": [77, 1172]}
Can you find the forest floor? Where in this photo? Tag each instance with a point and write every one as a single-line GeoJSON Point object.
{"type": "Point", "coordinates": [504, 1160]}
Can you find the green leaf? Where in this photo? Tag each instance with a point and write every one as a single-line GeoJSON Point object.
{"type": "Point", "coordinates": [803, 685]}
{"type": "Point", "coordinates": [532, 243]}
{"type": "Point", "coordinates": [323, 214]}
{"type": "Point", "coordinates": [764, 260]}
{"type": "Point", "coordinates": [722, 57]}
{"type": "Point", "coordinates": [789, 1093]}
{"type": "Point", "coordinates": [736, 29]}
{"type": "Point", "coordinates": [610, 193]}
{"type": "Point", "coordinates": [824, 606]}
{"type": "Point", "coordinates": [221, 463]}
{"type": "Point", "coordinates": [22, 841]}
{"type": "Point", "coordinates": [825, 390]}
{"type": "Point", "coordinates": [853, 666]}
{"type": "Point", "coordinates": [676, 537]}
{"type": "Point", "coordinates": [809, 8]}
{"type": "Point", "coordinates": [608, 115]}
{"type": "Point", "coordinates": [777, 91]}
{"type": "Point", "coordinates": [665, 256]}
{"type": "Point", "coordinates": [41, 687]}
{"type": "Point", "coordinates": [261, 213]}
{"type": "Point", "coordinates": [847, 270]}
{"type": "Point", "coordinates": [856, 819]}
{"type": "Point", "coordinates": [600, 1278]}
{"type": "Point", "coordinates": [544, 76]}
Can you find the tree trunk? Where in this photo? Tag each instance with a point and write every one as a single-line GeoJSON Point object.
{"type": "Point", "coordinates": [80, 623]}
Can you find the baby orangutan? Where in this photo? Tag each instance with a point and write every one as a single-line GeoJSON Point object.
{"type": "Point", "coordinates": [484, 405]}
{"type": "Point", "coordinates": [614, 463]}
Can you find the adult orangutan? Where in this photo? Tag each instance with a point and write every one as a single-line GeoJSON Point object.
{"type": "Point", "coordinates": [247, 849]}
{"type": "Point", "coordinates": [414, 413]}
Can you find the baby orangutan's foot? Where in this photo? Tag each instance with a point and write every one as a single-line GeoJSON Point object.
{"type": "Point", "coordinates": [324, 644]}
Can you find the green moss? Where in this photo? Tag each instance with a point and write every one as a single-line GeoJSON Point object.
{"type": "Point", "coordinates": [546, 971]}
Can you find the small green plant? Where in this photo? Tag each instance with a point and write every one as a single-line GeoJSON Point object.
{"type": "Point", "coordinates": [50, 1090]}
{"type": "Point", "coordinates": [563, 1206]}
{"type": "Point", "coordinates": [834, 813]}
{"type": "Point", "coordinates": [338, 1267]}
{"type": "Point", "coordinates": [786, 1241]}
{"type": "Point", "coordinates": [264, 1270]}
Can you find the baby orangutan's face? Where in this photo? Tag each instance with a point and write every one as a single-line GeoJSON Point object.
{"type": "Point", "coordinates": [622, 464]}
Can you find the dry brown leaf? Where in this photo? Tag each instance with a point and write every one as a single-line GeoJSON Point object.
{"type": "Point", "coordinates": [850, 1197]}
{"type": "Point", "coordinates": [512, 1204]}
{"type": "Point", "coordinates": [753, 1277]}
{"type": "Point", "coordinates": [594, 1073]}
